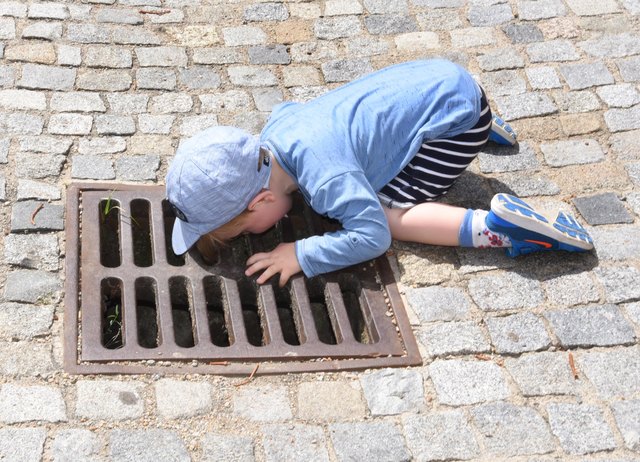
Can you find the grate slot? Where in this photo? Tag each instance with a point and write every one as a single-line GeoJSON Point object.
{"type": "Point", "coordinates": [217, 314]}
{"type": "Point", "coordinates": [113, 322]}
{"type": "Point", "coordinates": [353, 298]}
{"type": "Point", "coordinates": [168, 219]}
{"type": "Point", "coordinates": [323, 321]}
{"type": "Point", "coordinates": [181, 311]}
{"type": "Point", "coordinates": [251, 317]}
{"type": "Point", "coordinates": [109, 219]}
{"type": "Point", "coordinates": [268, 309]}
{"type": "Point", "coordinates": [147, 313]}
{"type": "Point", "coordinates": [141, 233]}
{"type": "Point", "coordinates": [237, 332]}
{"type": "Point", "coordinates": [288, 317]}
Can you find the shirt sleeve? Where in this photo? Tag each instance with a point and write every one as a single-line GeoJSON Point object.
{"type": "Point", "coordinates": [365, 233]}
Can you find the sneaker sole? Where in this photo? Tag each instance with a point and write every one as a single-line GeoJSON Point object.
{"type": "Point", "coordinates": [565, 229]}
{"type": "Point", "coordinates": [501, 132]}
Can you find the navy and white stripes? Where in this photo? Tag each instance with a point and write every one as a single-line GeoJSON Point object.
{"type": "Point", "coordinates": [437, 164]}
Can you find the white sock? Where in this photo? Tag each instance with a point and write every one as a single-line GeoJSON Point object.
{"type": "Point", "coordinates": [482, 236]}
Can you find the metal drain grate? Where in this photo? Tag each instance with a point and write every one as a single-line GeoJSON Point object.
{"type": "Point", "coordinates": [133, 306]}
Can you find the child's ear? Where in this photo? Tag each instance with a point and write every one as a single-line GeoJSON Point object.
{"type": "Point", "coordinates": [264, 195]}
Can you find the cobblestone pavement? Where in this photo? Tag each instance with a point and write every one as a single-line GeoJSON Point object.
{"type": "Point", "coordinates": [535, 358]}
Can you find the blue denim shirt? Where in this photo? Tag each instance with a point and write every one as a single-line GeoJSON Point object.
{"type": "Point", "coordinates": [345, 145]}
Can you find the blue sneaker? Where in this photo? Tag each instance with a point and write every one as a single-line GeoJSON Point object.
{"type": "Point", "coordinates": [501, 132]}
{"type": "Point", "coordinates": [530, 232]}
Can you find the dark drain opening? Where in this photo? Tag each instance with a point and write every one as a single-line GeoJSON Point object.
{"type": "Point", "coordinates": [147, 313]}
{"type": "Point", "coordinates": [288, 316]}
{"type": "Point", "coordinates": [167, 219]}
{"type": "Point", "coordinates": [181, 305]}
{"type": "Point", "coordinates": [112, 319]}
{"type": "Point", "coordinates": [216, 313]}
{"type": "Point", "coordinates": [251, 314]}
{"type": "Point", "coordinates": [351, 293]}
{"type": "Point", "coordinates": [109, 213]}
{"type": "Point", "coordinates": [320, 312]}
{"type": "Point", "coordinates": [141, 233]}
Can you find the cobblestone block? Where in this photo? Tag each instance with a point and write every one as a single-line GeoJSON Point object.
{"type": "Point", "coordinates": [108, 56]}
{"type": "Point", "coordinates": [20, 124]}
{"type": "Point", "coordinates": [137, 168]}
{"type": "Point", "coordinates": [629, 69]}
{"type": "Point", "coordinates": [35, 166]}
{"type": "Point", "coordinates": [36, 251]}
{"type": "Point", "coordinates": [269, 54]}
{"type": "Point", "coordinates": [243, 35]}
{"type": "Point", "coordinates": [92, 167]}
{"type": "Point", "coordinates": [518, 333]}
{"type": "Point", "coordinates": [32, 286]}
{"type": "Point", "coordinates": [524, 184]}
{"type": "Point", "coordinates": [252, 122]}
{"type": "Point", "coordinates": [102, 145]}
{"type": "Point", "coordinates": [533, 10]}
{"type": "Point", "coordinates": [417, 41]}
{"type": "Point", "coordinates": [128, 104]}
{"type": "Point", "coordinates": [251, 76]}
{"type": "Point", "coordinates": [622, 95]}
{"type": "Point", "coordinates": [623, 119]}
{"type": "Point", "coordinates": [620, 243]}
{"type": "Point", "coordinates": [337, 27]}
{"type": "Point", "coordinates": [77, 101]}
{"type": "Point", "coordinates": [307, 11]}
{"type": "Point", "coordinates": [453, 338]}
{"type": "Point", "coordinates": [344, 70]}
{"type": "Point", "coordinates": [505, 58]}
{"type": "Point", "coordinates": [171, 102]}
{"type": "Point", "coordinates": [503, 83]}
{"type": "Point", "coordinates": [48, 11]}
{"type": "Point", "coordinates": [218, 446]}
{"type": "Point", "coordinates": [222, 55]}
{"type": "Point", "coordinates": [603, 209]}
{"type": "Point", "coordinates": [232, 100]}
{"type": "Point", "coordinates": [577, 101]}
{"type": "Point", "coordinates": [509, 430]}
{"type": "Point", "coordinates": [49, 217]}
{"type": "Point", "coordinates": [571, 289]}
{"type": "Point", "coordinates": [541, 374]}
{"type": "Point", "coordinates": [155, 79]}
{"type": "Point", "coordinates": [162, 56]}
{"type": "Point", "coordinates": [173, 16]}
{"type": "Point", "coordinates": [7, 28]}
{"type": "Point", "coordinates": [294, 442]}
{"type": "Point", "coordinates": [199, 78]}
{"type": "Point", "coordinates": [601, 325]}
{"type": "Point", "coordinates": [155, 124]}
{"type": "Point", "coordinates": [118, 16]}
{"type": "Point", "coordinates": [472, 37]}
{"type": "Point", "coordinates": [15, 9]}
{"type": "Point", "coordinates": [147, 446]}
{"type": "Point", "coordinates": [266, 12]}
{"type": "Point", "coordinates": [543, 78]}
{"type": "Point", "coordinates": [69, 56]}
{"type": "Point", "coordinates": [4, 150]}
{"type": "Point", "coordinates": [593, 7]}
{"type": "Point", "coordinates": [483, 14]}
{"type": "Point", "coordinates": [23, 100]}
{"type": "Point", "coordinates": [42, 53]}
{"type": "Point", "coordinates": [393, 391]}
{"type": "Point", "coordinates": [523, 33]}
{"type": "Point", "coordinates": [141, 144]}
{"type": "Point", "coordinates": [28, 189]}
{"type": "Point", "coordinates": [22, 444]}
{"type": "Point", "coordinates": [194, 36]}
{"type": "Point", "coordinates": [316, 401]}
{"type": "Point", "coordinates": [262, 403]}
{"type": "Point", "coordinates": [3, 188]}
{"type": "Point", "coordinates": [620, 283]}
{"type": "Point", "coordinates": [266, 98]}
{"type": "Point", "coordinates": [105, 80]}
{"type": "Point", "coordinates": [125, 35]}
{"type": "Point", "coordinates": [31, 403]}
{"type": "Point", "coordinates": [304, 94]}
{"type": "Point", "coordinates": [70, 124]}
{"type": "Point", "coordinates": [612, 45]}
{"type": "Point", "coordinates": [627, 415]}
{"type": "Point", "coordinates": [580, 76]}
{"type": "Point", "coordinates": [633, 170]}
{"type": "Point", "coordinates": [581, 428]}
{"type": "Point", "coordinates": [24, 321]}
{"type": "Point", "coordinates": [572, 152]}
{"type": "Point", "coordinates": [508, 292]}
{"type": "Point", "coordinates": [633, 6]}
{"type": "Point", "coordinates": [383, 7]}
{"type": "Point", "coordinates": [438, 303]}
{"type": "Point", "coordinates": [633, 311]}
{"type": "Point", "coordinates": [38, 76]}
{"type": "Point", "coordinates": [177, 399]}
{"type": "Point", "coordinates": [529, 104]}
{"type": "Point", "coordinates": [109, 399]}
{"type": "Point", "coordinates": [552, 51]}
{"type": "Point", "coordinates": [311, 52]}
{"type": "Point", "coordinates": [368, 441]}
{"type": "Point", "coordinates": [614, 373]}
{"type": "Point", "coordinates": [458, 382]}
{"type": "Point", "coordinates": [440, 436]}
{"type": "Point", "coordinates": [192, 125]}
{"type": "Point", "coordinates": [633, 199]}
{"type": "Point", "coordinates": [342, 7]}
{"type": "Point", "coordinates": [88, 33]}
{"type": "Point", "coordinates": [435, 20]}
{"type": "Point", "coordinates": [294, 76]}
{"type": "Point", "coordinates": [439, 3]}
{"type": "Point", "coordinates": [25, 359]}
{"type": "Point", "coordinates": [7, 76]}
{"type": "Point", "coordinates": [115, 125]}
{"type": "Point", "coordinates": [71, 445]}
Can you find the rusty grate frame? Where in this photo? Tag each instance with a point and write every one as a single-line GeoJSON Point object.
{"type": "Point", "coordinates": [393, 341]}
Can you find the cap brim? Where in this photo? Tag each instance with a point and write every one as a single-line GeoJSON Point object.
{"type": "Point", "coordinates": [183, 237]}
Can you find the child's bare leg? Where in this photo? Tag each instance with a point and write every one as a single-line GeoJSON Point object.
{"type": "Point", "coordinates": [427, 223]}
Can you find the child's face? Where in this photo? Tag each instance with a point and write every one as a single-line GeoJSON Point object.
{"type": "Point", "coordinates": [267, 213]}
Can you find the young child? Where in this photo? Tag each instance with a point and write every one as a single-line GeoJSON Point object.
{"type": "Point", "coordinates": [373, 154]}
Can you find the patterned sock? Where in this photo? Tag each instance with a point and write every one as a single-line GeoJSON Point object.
{"type": "Point", "coordinates": [475, 233]}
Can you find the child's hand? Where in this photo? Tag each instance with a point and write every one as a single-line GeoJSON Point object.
{"type": "Point", "coordinates": [281, 260]}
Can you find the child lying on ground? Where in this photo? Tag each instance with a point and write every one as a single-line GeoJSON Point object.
{"type": "Point", "coordinates": [373, 154]}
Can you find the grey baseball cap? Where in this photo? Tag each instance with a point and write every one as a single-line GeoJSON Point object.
{"type": "Point", "coordinates": [211, 180]}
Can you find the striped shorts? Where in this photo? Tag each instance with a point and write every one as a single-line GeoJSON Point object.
{"type": "Point", "coordinates": [437, 164]}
